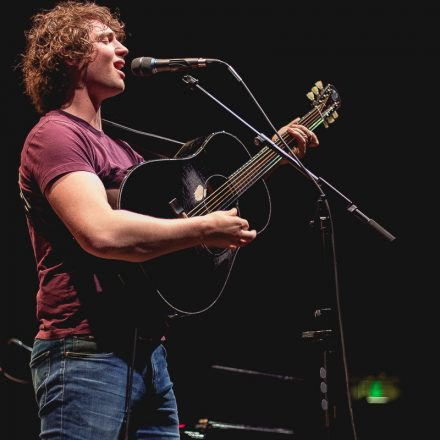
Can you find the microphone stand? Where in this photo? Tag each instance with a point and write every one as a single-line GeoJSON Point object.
{"type": "Point", "coordinates": [295, 162]}
{"type": "Point", "coordinates": [323, 220]}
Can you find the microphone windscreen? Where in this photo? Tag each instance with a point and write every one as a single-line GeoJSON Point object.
{"type": "Point", "coordinates": [142, 66]}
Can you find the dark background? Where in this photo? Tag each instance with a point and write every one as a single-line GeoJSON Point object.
{"type": "Point", "coordinates": [380, 153]}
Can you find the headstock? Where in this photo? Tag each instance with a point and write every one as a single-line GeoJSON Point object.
{"type": "Point", "coordinates": [325, 100]}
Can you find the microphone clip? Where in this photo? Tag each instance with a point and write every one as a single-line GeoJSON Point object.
{"type": "Point", "coordinates": [190, 81]}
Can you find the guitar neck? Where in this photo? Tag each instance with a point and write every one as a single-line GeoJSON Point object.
{"type": "Point", "coordinates": [311, 120]}
{"type": "Point", "coordinates": [266, 159]}
{"type": "Point", "coordinates": [253, 170]}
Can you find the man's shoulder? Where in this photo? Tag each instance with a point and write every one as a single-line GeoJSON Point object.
{"type": "Point", "coordinates": [56, 126]}
{"type": "Point", "coordinates": [49, 124]}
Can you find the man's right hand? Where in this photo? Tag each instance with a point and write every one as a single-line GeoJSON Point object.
{"type": "Point", "coordinates": [225, 229]}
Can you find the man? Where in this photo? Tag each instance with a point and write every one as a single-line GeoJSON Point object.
{"type": "Point", "coordinates": [69, 174]}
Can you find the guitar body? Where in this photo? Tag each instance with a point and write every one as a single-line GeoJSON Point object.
{"type": "Point", "coordinates": [191, 281]}
{"type": "Point", "coordinates": [210, 173]}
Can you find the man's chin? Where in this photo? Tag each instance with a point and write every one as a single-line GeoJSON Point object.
{"type": "Point", "coordinates": [116, 90]}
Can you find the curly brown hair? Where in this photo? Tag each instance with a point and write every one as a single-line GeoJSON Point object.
{"type": "Point", "coordinates": [59, 38]}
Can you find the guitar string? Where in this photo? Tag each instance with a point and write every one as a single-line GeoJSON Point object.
{"type": "Point", "coordinates": [218, 196]}
{"type": "Point", "coordinates": [241, 190]}
{"type": "Point", "coordinates": [249, 172]}
{"type": "Point", "coordinates": [269, 160]}
{"type": "Point", "coordinates": [261, 159]}
{"type": "Point", "coordinates": [240, 178]}
{"type": "Point", "coordinates": [267, 166]}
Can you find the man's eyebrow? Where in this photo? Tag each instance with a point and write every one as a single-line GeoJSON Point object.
{"type": "Point", "coordinates": [110, 33]}
{"type": "Point", "coordinates": [106, 33]}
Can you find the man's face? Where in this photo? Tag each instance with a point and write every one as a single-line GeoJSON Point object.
{"type": "Point", "coordinates": [103, 76]}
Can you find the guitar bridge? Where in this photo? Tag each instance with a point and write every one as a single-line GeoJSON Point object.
{"type": "Point", "coordinates": [177, 208]}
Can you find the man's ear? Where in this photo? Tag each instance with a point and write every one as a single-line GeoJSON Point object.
{"type": "Point", "coordinates": [79, 64]}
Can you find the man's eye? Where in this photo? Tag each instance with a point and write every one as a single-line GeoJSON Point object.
{"type": "Point", "coordinates": [106, 38]}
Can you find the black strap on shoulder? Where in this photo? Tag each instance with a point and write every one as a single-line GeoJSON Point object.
{"type": "Point", "coordinates": [142, 133]}
{"type": "Point", "coordinates": [136, 139]}
{"type": "Point", "coordinates": [26, 205]}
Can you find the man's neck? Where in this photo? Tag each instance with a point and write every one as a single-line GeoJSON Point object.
{"type": "Point", "coordinates": [82, 107]}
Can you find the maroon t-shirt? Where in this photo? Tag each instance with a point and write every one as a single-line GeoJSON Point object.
{"type": "Point", "coordinates": [61, 143]}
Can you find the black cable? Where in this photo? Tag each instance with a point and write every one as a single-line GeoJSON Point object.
{"type": "Point", "coordinates": [129, 386]}
{"type": "Point", "coordinates": [281, 139]}
{"type": "Point", "coordinates": [333, 248]}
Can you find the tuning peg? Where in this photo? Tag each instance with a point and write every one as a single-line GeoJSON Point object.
{"type": "Point", "coordinates": [330, 120]}
{"type": "Point", "coordinates": [335, 115]}
{"type": "Point", "coordinates": [319, 85]}
{"type": "Point", "coordinates": [311, 96]}
{"type": "Point", "coordinates": [315, 90]}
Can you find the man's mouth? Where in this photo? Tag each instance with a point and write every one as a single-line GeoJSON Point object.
{"type": "Point", "coordinates": [119, 65]}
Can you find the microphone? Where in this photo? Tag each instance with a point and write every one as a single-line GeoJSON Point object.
{"type": "Point", "coordinates": [148, 66]}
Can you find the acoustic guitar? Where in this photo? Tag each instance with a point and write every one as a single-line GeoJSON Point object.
{"type": "Point", "coordinates": [197, 181]}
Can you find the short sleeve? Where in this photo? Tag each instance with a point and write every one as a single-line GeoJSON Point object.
{"type": "Point", "coordinates": [55, 149]}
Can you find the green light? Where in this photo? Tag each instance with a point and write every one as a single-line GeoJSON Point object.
{"type": "Point", "coordinates": [376, 389]}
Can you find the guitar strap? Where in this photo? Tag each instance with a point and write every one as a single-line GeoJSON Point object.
{"type": "Point", "coordinates": [116, 128]}
{"type": "Point", "coordinates": [28, 209]}
{"type": "Point", "coordinates": [26, 205]}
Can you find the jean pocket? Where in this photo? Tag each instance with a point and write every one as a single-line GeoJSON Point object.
{"type": "Point", "coordinates": [38, 359]}
{"type": "Point", "coordinates": [40, 370]}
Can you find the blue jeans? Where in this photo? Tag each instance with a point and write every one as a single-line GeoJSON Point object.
{"type": "Point", "coordinates": [80, 388]}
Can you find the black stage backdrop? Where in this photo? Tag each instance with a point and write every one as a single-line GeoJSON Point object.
{"type": "Point", "coordinates": [380, 153]}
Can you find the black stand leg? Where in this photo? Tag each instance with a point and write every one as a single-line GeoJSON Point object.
{"type": "Point", "coordinates": [323, 338]}
{"type": "Point", "coordinates": [335, 402]}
